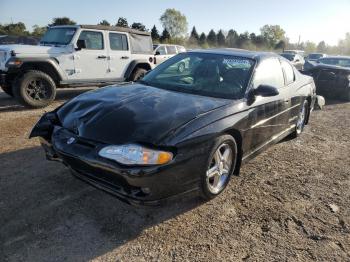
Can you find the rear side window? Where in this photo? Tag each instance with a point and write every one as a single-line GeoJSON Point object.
{"type": "Point", "coordinates": [289, 72]}
{"type": "Point", "coordinates": [269, 72]}
{"type": "Point", "coordinates": [171, 49]}
{"type": "Point", "coordinates": [118, 41]}
{"type": "Point", "coordinates": [93, 39]}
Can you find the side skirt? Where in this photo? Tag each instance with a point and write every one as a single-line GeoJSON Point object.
{"type": "Point", "coordinates": [273, 140]}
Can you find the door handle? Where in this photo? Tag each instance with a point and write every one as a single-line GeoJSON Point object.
{"type": "Point", "coordinates": [124, 57]}
{"type": "Point", "coordinates": [101, 57]}
{"type": "Point", "coordinates": [286, 100]}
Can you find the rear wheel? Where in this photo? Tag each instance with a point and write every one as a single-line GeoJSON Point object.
{"type": "Point", "coordinates": [35, 89]}
{"type": "Point", "coordinates": [138, 74]}
{"type": "Point", "coordinates": [302, 118]}
{"type": "Point", "coordinates": [220, 166]}
{"type": "Point", "coordinates": [7, 90]}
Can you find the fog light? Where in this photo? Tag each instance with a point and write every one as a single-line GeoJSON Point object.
{"type": "Point", "coordinates": [145, 190]}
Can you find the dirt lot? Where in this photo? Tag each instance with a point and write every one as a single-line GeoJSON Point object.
{"type": "Point", "coordinates": [290, 203]}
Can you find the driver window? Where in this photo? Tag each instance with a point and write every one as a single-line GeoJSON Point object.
{"type": "Point", "coordinates": [269, 72]}
{"type": "Point", "coordinates": [161, 50]}
{"type": "Point", "coordinates": [93, 39]}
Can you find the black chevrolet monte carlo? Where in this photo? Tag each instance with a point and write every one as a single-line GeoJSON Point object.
{"type": "Point", "coordinates": [179, 131]}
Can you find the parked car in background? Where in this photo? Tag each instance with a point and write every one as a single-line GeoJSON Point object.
{"type": "Point", "coordinates": [343, 61]}
{"type": "Point", "coordinates": [296, 60]}
{"type": "Point", "coordinates": [163, 52]}
{"type": "Point", "coordinates": [299, 52]}
{"type": "Point", "coordinates": [174, 133]}
{"type": "Point", "coordinates": [315, 56]}
{"type": "Point", "coordinates": [331, 81]}
{"type": "Point", "coordinates": [77, 55]}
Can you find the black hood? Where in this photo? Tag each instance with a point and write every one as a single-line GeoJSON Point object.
{"type": "Point", "coordinates": [132, 113]}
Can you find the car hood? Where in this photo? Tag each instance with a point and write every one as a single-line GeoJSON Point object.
{"type": "Point", "coordinates": [23, 50]}
{"type": "Point", "coordinates": [133, 113]}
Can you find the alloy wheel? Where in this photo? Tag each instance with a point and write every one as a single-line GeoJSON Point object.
{"type": "Point", "coordinates": [37, 90]}
{"type": "Point", "coordinates": [219, 168]}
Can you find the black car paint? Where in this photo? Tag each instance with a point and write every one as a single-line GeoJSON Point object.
{"type": "Point", "coordinates": [185, 124]}
{"type": "Point", "coordinates": [331, 81]}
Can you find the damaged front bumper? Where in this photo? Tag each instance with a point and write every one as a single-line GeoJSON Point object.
{"type": "Point", "coordinates": [149, 185]}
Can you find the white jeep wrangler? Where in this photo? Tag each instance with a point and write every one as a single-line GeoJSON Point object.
{"type": "Point", "coordinates": [78, 55]}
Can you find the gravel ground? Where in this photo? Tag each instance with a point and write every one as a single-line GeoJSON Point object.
{"type": "Point", "coordinates": [291, 203]}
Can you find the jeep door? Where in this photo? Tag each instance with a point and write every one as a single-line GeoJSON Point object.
{"type": "Point", "coordinates": [118, 54]}
{"type": "Point", "coordinates": [91, 62]}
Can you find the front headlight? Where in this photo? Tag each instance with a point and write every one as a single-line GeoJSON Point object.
{"type": "Point", "coordinates": [135, 155]}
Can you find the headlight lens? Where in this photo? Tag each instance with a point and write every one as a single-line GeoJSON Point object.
{"type": "Point", "coordinates": [133, 154]}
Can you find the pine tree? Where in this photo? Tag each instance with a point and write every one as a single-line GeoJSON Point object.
{"type": "Point", "coordinates": [221, 38]}
{"type": "Point", "coordinates": [212, 38]}
{"type": "Point", "coordinates": [165, 36]}
{"type": "Point", "coordinates": [202, 39]}
{"type": "Point", "coordinates": [122, 22]}
{"type": "Point", "coordinates": [154, 33]}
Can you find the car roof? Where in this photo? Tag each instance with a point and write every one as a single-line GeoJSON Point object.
{"type": "Point", "coordinates": [109, 28]}
{"type": "Point", "coordinates": [257, 55]}
{"type": "Point", "coordinates": [336, 57]}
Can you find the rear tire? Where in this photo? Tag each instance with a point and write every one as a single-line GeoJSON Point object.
{"type": "Point", "coordinates": [221, 164]}
{"type": "Point", "coordinates": [138, 74]}
{"type": "Point", "coordinates": [302, 119]}
{"type": "Point", "coordinates": [35, 89]}
{"type": "Point", "coordinates": [7, 90]}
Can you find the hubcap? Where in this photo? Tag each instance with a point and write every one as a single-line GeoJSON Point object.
{"type": "Point", "coordinates": [301, 120]}
{"type": "Point", "coordinates": [219, 168]}
{"type": "Point", "coordinates": [37, 90]}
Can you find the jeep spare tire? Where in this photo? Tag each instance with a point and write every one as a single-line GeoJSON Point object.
{"type": "Point", "coordinates": [35, 89]}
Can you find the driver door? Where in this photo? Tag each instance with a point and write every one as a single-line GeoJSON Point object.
{"type": "Point", "coordinates": [91, 63]}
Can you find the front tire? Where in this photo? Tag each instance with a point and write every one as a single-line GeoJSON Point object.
{"type": "Point", "coordinates": [7, 90]}
{"type": "Point", "coordinates": [35, 89]}
{"type": "Point", "coordinates": [138, 74]}
{"type": "Point", "coordinates": [302, 118]}
{"type": "Point", "coordinates": [221, 164]}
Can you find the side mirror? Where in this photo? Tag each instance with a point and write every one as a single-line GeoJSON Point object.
{"type": "Point", "coordinates": [81, 44]}
{"type": "Point", "coordinates": [266, 90]}
{"type": "Point", "coordinates": [157, 53]}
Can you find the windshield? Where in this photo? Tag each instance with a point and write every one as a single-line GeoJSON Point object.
{"type": "Point", "coordinates": [290, 57]}
{"type": "Point", "coordinates": [344, 62]}
{"type": "Point", "coordinates": [213, 75]}
{"type": "Point", "coordinates": [58, 36]}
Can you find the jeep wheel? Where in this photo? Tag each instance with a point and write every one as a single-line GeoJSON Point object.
{"type": "Point", "coordinates": [7, 90]}
{"type": "Point", "coordinates": [138, 74]}
{"type": "Point", "coordinates": [35, 89]}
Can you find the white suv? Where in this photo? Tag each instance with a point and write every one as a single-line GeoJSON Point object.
{"type": "Point", "coordinates": [163, 51]}
{"type": "Point", "coordinates": [78, 55]}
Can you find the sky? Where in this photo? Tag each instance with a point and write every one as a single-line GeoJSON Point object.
{"type": "Point", "coordinates": [313, 20]}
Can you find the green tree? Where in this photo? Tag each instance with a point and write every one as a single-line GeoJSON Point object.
{"type": "Point", "coordinates": [62, 21]}
{"type": "Point", "coordinates": [138, 26]}
{"type": "Point", "coordinates": [243, 40]}
{"type": "Point", "coordinates": [212, 38]}
{"type": "Point", "coordinates": [104, 22]}
{"type": "Point", "coordinates": [202, 39]}
{"type": "Point", "coordinates": [174, 22]}
{"type": "Point", "coordinates": [310, 47]}
{"type": "Point", "coordinates": [122, 22]}
{"type": "Point", "coordinates": [272, 34]}
{"type": "Point", "coordinates": [221, 38]}
{"type": "Point", "coordinates": [155, 33]}
{"type": "Point", "coordinates": [194, 37]}
{"type": "Point", "coordinates": [281, 45]}
{"type": "Point", "coordinates": [165, 36]}
{"type": "Point", "coordinates": [321, 47]}
{"type": "Point", "coordinates": [38, 31]}
{"type": "Point", "coordinates": [231, 38]}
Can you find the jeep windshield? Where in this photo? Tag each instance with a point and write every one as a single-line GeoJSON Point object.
{"type": "Point", "coordinates": [214, 75]}
{"type": "Point", "coordinates": [58, 36]}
